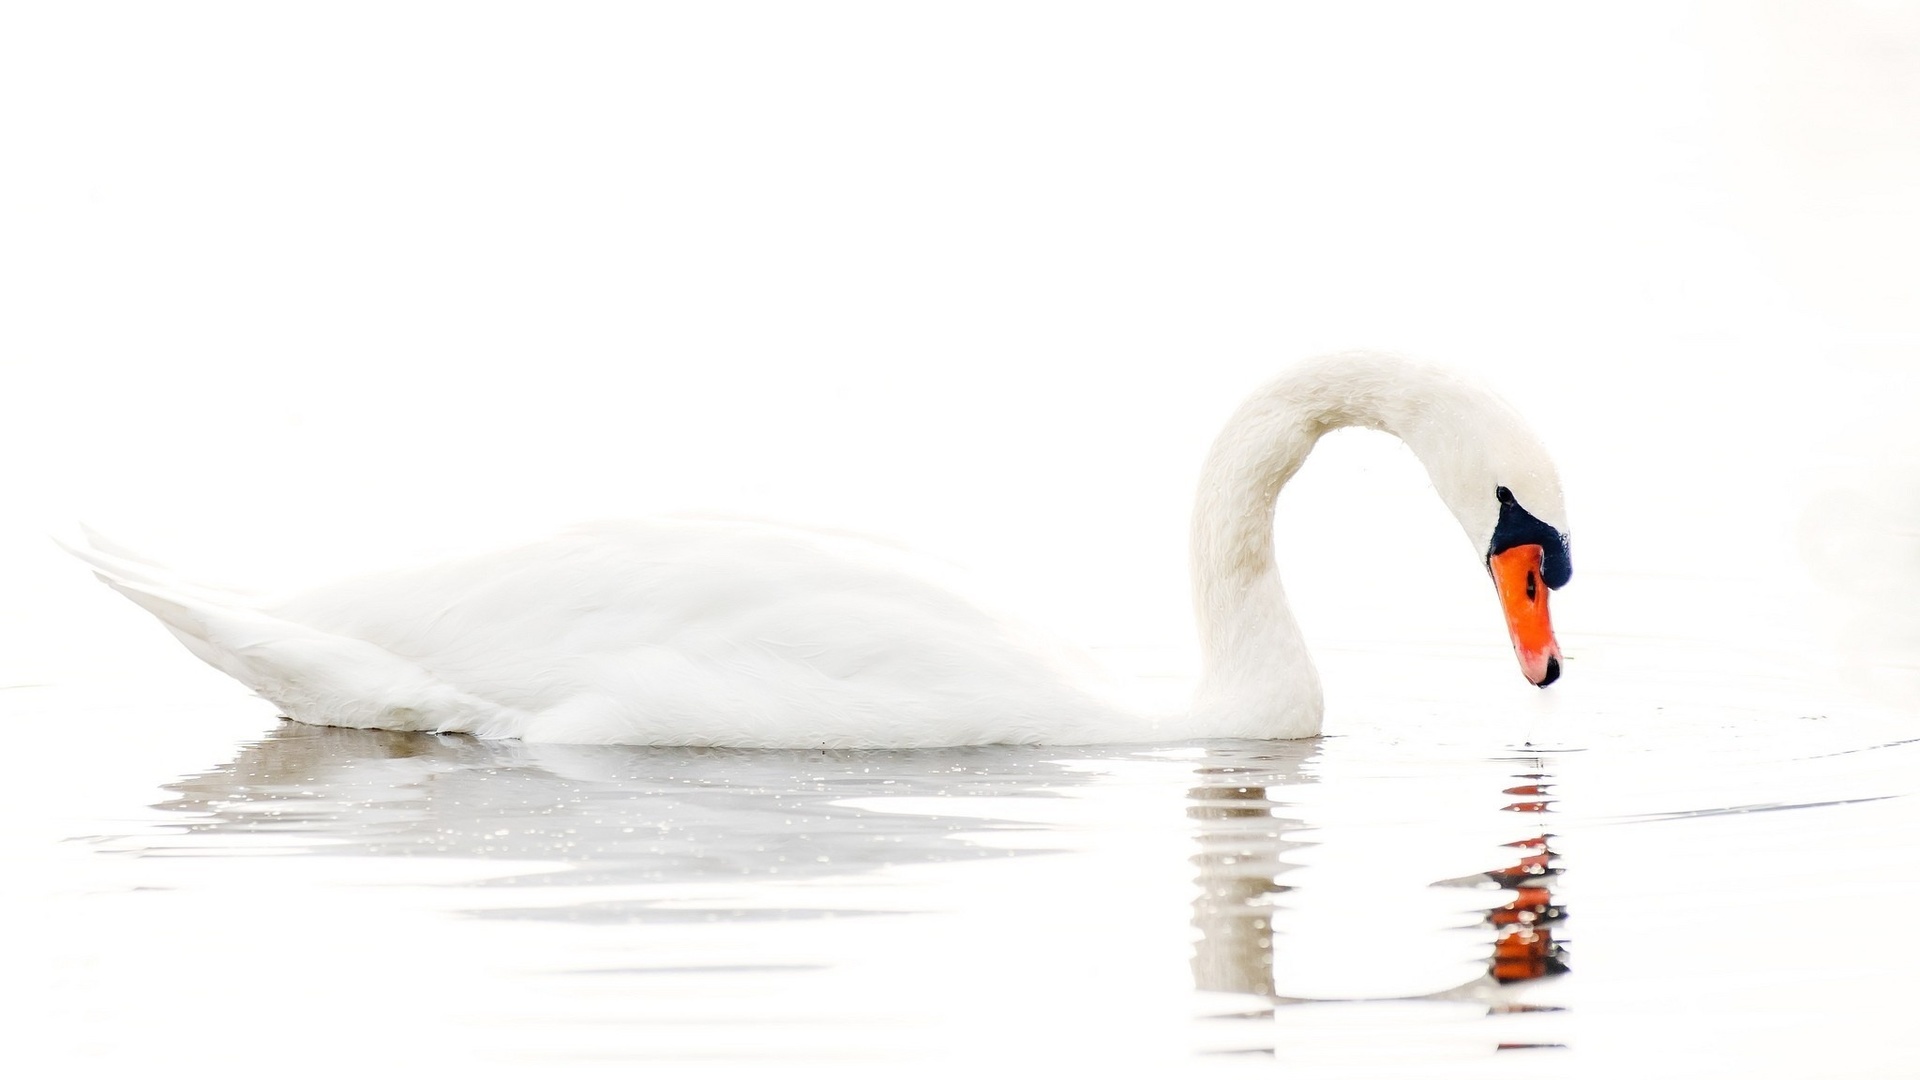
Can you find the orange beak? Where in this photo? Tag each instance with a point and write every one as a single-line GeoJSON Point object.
{"type": "Point", "coordinates": [1523, 596]}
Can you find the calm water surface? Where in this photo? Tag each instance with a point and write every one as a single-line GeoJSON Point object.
{"type": "Point", "coordinates": [1370, 904]}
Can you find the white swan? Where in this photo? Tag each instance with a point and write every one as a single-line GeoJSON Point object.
{"type": "Point", "coordinates": [687, 631]}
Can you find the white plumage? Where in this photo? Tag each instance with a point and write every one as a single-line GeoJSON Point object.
{"type": "Point", "coordinates": [721, 632]}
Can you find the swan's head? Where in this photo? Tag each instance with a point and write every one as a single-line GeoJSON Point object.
{"type": "Point", "coordinates": [1497, 478]}
{"type": "Point", "coordinates": [1528, 558]}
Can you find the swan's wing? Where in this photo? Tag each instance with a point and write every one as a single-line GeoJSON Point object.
{"type": "Point", "coordinates": [309, 673]}
{"type": "Point", "coordinates": [648, 632]}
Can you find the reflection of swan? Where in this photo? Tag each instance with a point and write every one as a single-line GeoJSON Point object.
{"type": "Point", "coordinates": [1242, 851]}
{"type": "Point", "coordinates": [1294, 908]}
{"type": "Point", "coordinates": [629, 834]}
{"type": "Point", "coordinates": [705, 632]}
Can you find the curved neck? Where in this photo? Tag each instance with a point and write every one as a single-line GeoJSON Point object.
{"type": "Point", "coordinates": [1259, 681]}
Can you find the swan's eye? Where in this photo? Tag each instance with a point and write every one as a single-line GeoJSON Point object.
{"type": "Point", "coordinates": [1533, 588]}
{"type": "Point", "coordinates": [1516, 528]}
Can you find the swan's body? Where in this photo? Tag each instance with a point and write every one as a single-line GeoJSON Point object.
{"type": "Point", "coordinates": [723, 632]}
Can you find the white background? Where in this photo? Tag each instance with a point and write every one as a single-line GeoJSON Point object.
{"type": "Point", "coordinates": [287, 292]}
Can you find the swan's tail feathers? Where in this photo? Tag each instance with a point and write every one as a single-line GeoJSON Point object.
{"type": "Point", "coordinates": [111, 566]}
{"type": "Point", "coordinates": [100, 542]}
{"type": "Point", "coordinates": [312, 675]}
{"type": "Point", "coordinates": [122, 563]}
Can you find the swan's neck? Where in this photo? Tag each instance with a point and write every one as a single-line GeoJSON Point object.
{"type": "Point", "coordinates": [1259, 681]}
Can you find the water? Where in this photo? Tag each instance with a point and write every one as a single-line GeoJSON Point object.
{"type": "Point", "coordinates": [1375, 903]}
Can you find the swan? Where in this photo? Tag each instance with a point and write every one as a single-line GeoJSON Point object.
{"type": "Point", "coordinates": [696, 631]}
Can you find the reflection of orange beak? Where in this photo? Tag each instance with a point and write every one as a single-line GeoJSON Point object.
{"type": "Point", "coordinates": [1523, 596]}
